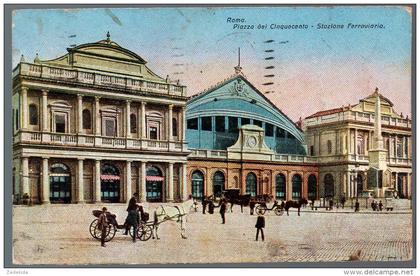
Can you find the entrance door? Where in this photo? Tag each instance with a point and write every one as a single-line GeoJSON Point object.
{"type": "Point", "coordinates": [296, 187]}
{"type": "Point", "coordinates": [218, 183]}
{"type": "Point", "coordinates": [197, 185]}
{"type": "Point", "coordinates": [251, 184]}
{"type": "Point", "coordinates": [110, 184]}
{"type": "Point", "coordinates": [60, 184]}
{"type": "Point", "coordinates": [312, 190]}
{"type": "Point", "coordinates": [281, 187]}
{"type": "Point", "coordinates": [154, 184]}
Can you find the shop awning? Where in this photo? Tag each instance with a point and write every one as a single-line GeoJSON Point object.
{"type": "Point", "coordinates": [109, 177]}
{"type": "Point", "coordinates": [154, 178]}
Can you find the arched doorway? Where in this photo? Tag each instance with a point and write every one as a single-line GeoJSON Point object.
{"type": "Point", "coordinates": [60, 184]}
{"type": "Point", "coordinates": [218, 183]}
{"type": "Point", "coordinates": [197, 185]}
{"type": "Point", "coordinates": [328, 185]}
{"type": "Point", "coordinates": [296, 187]}
{"type": "Point", "coordinates": [281, 187]}
{"type": "Point", "coordinates": [154, 184]}
{"type": "Point", "coordinates": [251, 184]}
{"type": "Point", "coordinates": [110, 183]}
{"type": "Point", "coordinates": [359, 181]}
{"type": "Point", "coordinates": [312, 189]}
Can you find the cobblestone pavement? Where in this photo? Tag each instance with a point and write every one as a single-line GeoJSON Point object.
{"type": "Point", "coordinates": [59, 234]}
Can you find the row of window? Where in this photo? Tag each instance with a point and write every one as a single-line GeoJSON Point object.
{"type": "Point", "coordinates": [110, 128]}
{"type": "Point", "coordinates": [232, 126]}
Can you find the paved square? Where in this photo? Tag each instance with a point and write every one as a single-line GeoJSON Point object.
{"type": "Point", "coordinates": [59, 234]}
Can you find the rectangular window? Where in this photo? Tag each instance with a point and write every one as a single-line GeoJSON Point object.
{"type": "Point", "coordinates": [245, 121]}
{"type": "Point", "coordinates": [206, 123]}
{"type": "Point", "coordinates": [312, 152]}
{"type": "Point", "coordinates": [233, 124]}
{"type": "Point", "coordinates": [60, 123]}
{"type": "Point", "coordinates": [257, 123]}
{"type": "Point", "coordinates": [153, 133]}
{"type": "Point", "coordinates": [280, 133]}
{"type": "Point", "coordinates": [220, 123]}
{"type": "Point", "coordinates": [192, 123]}
{"type": "Point", "coordinates": [268, 130]}
{"type": "Point", "coordinates": [110, 127]}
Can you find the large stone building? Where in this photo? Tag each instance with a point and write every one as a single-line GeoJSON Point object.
{"type": "Point", "coordinates": [350, 141]}
{"type": "Point", "coordinates": [96, 124]}
{"type": "Point", "coordinates": [239, 139]}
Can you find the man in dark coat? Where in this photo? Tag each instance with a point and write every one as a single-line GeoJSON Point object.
{"type": "Point", "coordinates": [132, 205]}
{"type": "Point", "coordinates": [251, 207]}
{"type": "Point", "coordinates": [103, 225]}
{"type": "Point", "coordinates": [357, 206]}
{"type": "Point", "coordinates": [223, 210]}
{"type": "Point", "coordinates": [133, 220]}
{"type": "Point", "coordinates": [260, 225]}
{"type": "Point", "coordinates": [380, 205]}
{"type": "Point", "coordinates": [343, 200]}
{"type": "Point", "coordinates": [204, 202]}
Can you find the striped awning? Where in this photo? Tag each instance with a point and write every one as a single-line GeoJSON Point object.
{"type": "Point", "coordinates": [109, 177]}
{"type": "Point", "coordinates": [154, 178]}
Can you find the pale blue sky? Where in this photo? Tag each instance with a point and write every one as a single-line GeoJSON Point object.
{"type": "Point", "coordinates": [200, 38]}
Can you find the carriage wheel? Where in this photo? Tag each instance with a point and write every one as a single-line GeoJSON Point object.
{"type": "Point", "coordinates": [278, 211]}
{"type": "Point", "coordinates": [144, 232]}
{"type": "Point", "coordinates": [110, 232]}
{"type": "Point", "coordinates": [260, 210]}
{"type": "Point", "coordinates": [94, 230]}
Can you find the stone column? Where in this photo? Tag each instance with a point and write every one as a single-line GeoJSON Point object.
{"type": "Point", "coordinates": [171, 181]}
{"type": "Point", "coordinates": [143, 120]}
{"type": "Point", "coordinates": [349, 184]}
{"type": "Point", "coordinates": [319, 144]}
{"type": "Point", "coordinates": [170, 136]}
{"type": "Point", "coordinates": [25, 176]}
{"type": "Point", "coordinates": [348, 146]}
{"type": "Point", "coordinates": [79, 113]}
{"type": "Point", "coordinates": [128, 181]}
{"type": "Point", "coordinates": [127, 119]}
{"type": "Point", "coordinates": [184, 182]}
{"type": "Point", "coordinates": [97, 181]}
{"type": "Point", "coordinates": [396, 181]}
{"type": "Point", "coordinates": [97, 117]}
{"type": "Point", "coordinates": [45, 182]}
{"type": "Point", "coordinates": [395, 146]}
{"type": "Point", "coordinates": [182, 124]}
{"type": "Point", "coordinates": [403, 147]}
{"type": "Point", "coordinates": [355, 143]}
{"type": "Point", "coordinates": [80, 184]}
{"type": "Point", "coordinates": [44, 110]}
{"type": "Point", "coordinates": [143, 181]}
{"type": "Point", "coordinates": [24, 107]}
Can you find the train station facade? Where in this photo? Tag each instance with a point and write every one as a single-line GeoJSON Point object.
{"type": "Point", "coordinates": [97, 125]}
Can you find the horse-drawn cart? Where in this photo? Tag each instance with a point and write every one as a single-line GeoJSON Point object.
{"type": "Point", "coordinates": [262, 208]}
{"type": "Point", "coordinates": [144, 231]}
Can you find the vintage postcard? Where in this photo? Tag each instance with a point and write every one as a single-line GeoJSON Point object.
{"type": "Point", "coordinates": [188, 135]}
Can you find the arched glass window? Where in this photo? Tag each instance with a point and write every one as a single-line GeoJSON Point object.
{"type": "Point", "coordinates": [197, 185]}
{"type": "Point", "coordinates": [87, 119]}
{"type": "Point", "coordinates": [133, 123]}
{"type": "Point", "coordinates": [296, 187]}
{"type": "Point", "coordinates": [218, 183]}
{"type": "Point", "coordinates": [281, 186]}
{"type": "Point", "coordinates": [33, 114]}
{"type": "Point", "coordinates": [251, 184]}
{"type": "Point", "coordinates": [174, 127]}
{"type": "Point", "coordinates": [154, 184]}
{"type": "Point", "coordinates": [59, 168]}
{"type": "Point", "coordinates": [312, 190]}
{"type": "Point", "coordinates": [328, 185]}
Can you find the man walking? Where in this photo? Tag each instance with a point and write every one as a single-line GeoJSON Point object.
{"type": "Point", "coordinates": [103, 225]}
{"type": "Point", "coordinates": [260, 225]}
{"type": "Point", "coordinates": [223, 210]}
{"type": "Point", "coordinates": [356, 206]}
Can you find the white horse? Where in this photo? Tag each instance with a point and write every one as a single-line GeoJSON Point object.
{"type": "Point", "coordinates": [172, 213]}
